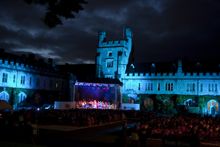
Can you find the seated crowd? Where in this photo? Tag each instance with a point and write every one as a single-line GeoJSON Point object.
{"type": "Point", "coordinates": [149, 124]}
{"type": "Point", "coordinates": [186, 128]}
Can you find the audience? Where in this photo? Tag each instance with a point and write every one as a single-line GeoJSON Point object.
{"type": "Point", "coordinates": [150, 124]}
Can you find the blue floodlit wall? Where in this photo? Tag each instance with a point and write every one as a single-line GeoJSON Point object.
{"type": "Point", "coordinates": [168, 88]}
{"type": "Point", "coordinates": [19, 81]}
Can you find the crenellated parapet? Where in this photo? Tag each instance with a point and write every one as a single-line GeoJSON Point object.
{"type": "Point", "coordinates": [13, 65]}
{"type": "Point", "coordinates": [170, 75]}
{"type": "Point", "coordinates": [125, 42]}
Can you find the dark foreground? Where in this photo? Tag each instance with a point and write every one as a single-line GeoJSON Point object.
{"type": "Point", "coordinates": [108, 135]}
{"type": "Point", "coordinates": [96, 128]}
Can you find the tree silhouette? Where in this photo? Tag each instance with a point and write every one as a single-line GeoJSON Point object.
{"type": "Point", "coordinates": [56, 9]}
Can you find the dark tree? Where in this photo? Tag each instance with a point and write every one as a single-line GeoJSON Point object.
{"type": "Point", "coordinates": [56, 9]}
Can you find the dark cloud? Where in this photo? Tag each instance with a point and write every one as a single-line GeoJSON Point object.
{"type": "Point", "coordinates": [184, 28]}
{"type": "Point", "coordinates": [163, 29]}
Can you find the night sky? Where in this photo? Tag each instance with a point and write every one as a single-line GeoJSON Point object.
{"type": "Point", "coordinates": [163, 30]}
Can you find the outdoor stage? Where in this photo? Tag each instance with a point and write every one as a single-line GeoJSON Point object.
{"type": "Point", "coordinates": [97, 95]}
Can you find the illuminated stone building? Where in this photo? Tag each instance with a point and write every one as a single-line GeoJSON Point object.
{"type": "Point", "coordinates": [25, 80]}
{"type": "Point", "coordinates": [159, 86]}
{"type": "Point", "coordinates": [165, 87]}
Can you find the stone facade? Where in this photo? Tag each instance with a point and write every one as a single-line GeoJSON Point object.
{"type": "Point", "coordinates": [197, 90]}
{"type": "Point", "coordinates": [22, 81]}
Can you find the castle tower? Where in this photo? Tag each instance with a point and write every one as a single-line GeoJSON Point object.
{"type": "Point", "coordinates": [112, 56]}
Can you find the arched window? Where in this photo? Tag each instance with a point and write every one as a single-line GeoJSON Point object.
{"type": "Point", "coordinates": [21, 97]}
{"type": "Point", "coordinates": [4, 96]}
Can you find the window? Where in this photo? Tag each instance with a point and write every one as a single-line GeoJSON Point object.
{"type": "Point", "coordinates": [169, 86]}
{"type": "Point", "coordinates": [21, 97]}
{"type": "Point", "coordinates": [201, 87]}
{"type": "Point", "coordinates": [190, 87]}
{"type": "Point", "coordinates": [149, 86]}
{"type": "Point", "coordinates": [158, 86]}
{"type": "Point", "coordinates": [14, 78]}
{"type": "Point", "coordinates": [4, 96]}
{"type": "Point", "coordinates": [22, 80]}
{"type": "Point", "coordinates": [139, 86]}
{"type": "Point", "coordinates": [4, 78]}
{"type": "Point", "coordinates": [109, 64]}
{"type": "Point", "coordinates": [109, 54]}
{"type": "Point", "coordinates": [193, 87]}
{"type": "Point", "coordinates": [213, 87]}
{"type": "Point", "coordinates": [187, 87]}
{"type": "Point", "coordinates": [210, 87]}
